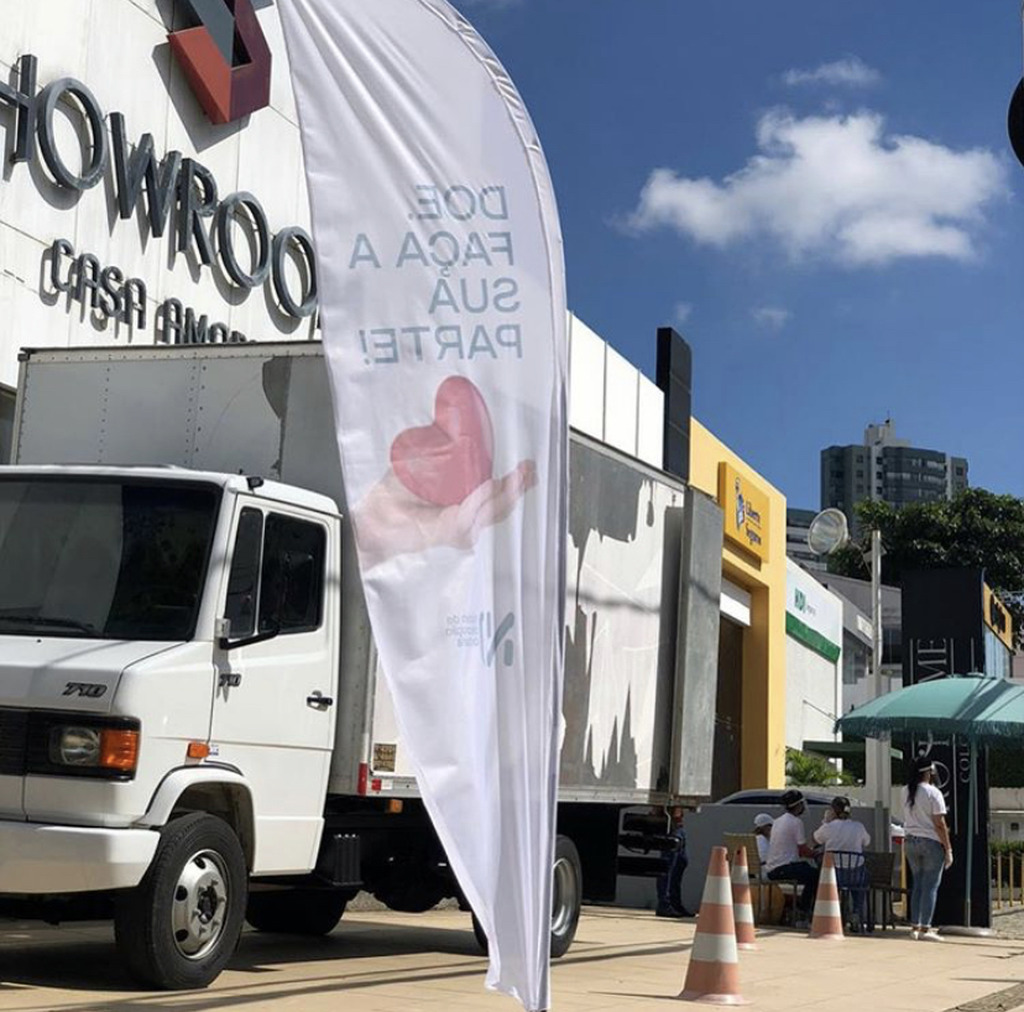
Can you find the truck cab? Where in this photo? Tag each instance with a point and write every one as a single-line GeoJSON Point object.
{"type": "Point", "coordinates": [168, 675]}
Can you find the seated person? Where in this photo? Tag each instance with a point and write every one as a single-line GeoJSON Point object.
{"type": "Point", "coordinates": [839, 833]}
{"type": "Point", "coordinates": [763, 831]}
{"type": "Point", "coordinates": [788, 853]}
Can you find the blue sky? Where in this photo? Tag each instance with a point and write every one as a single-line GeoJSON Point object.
{"type": "Point", "coordinates": [820, 196]}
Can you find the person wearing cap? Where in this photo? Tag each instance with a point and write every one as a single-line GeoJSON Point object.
{"type": "Point", "coordinates": [927, 845]}
{"type": "Point", "coordinates": [763, 831]}
{"type": "Point", "coordinates": [839, 832]}
{"type": "Point", "coordinates": [847, 838]}
{"type": "Point", "coordinates": [788, 853]}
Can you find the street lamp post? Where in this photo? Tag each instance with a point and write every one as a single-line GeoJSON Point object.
{"type": "Point", "coordinates": [877, 764]}
{"type": "Point", "coordinates": [827, 533]}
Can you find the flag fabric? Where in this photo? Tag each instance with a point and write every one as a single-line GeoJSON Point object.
{"type": "Point", "coordinates": [442, 294]}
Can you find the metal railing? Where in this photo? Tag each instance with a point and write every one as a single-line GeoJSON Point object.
{"type": "Point", "coordinates": [1006, 873]}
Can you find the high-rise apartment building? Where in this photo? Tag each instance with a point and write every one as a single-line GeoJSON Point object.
{"type": "Point", "coordinates": [798, 524]}
{"type": "Point", "coordinates": [889, 469]}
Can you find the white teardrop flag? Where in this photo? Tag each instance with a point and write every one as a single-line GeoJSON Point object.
{"type": "Point", "coordinates": [443, 308]}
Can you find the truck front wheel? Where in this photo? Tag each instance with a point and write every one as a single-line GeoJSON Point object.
{"type": "Point", "coordinates": [566, 898]}
{"type": "Point", "coordinates": [179, 927]}
{"type": "Point", "coordinates": [296, 911]}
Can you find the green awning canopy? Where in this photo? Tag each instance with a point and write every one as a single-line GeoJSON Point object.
{"type": "Point", "coordinates": [982, 709]}
{"type": "Point", "coordinates": [843, 749]}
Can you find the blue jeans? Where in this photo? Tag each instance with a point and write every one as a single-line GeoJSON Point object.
{"type": "Point", "coordinates": [926, 859]}
{"type": "Point", "coordinates": [670, 894]}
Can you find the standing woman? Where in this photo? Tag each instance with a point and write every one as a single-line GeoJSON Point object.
{"type": "Point", "coordinates": [928, 849]}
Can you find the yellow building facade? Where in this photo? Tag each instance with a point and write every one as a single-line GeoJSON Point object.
{"type": "Point", "coordinates": [751, 713]}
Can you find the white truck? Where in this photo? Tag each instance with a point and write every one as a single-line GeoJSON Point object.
{"type": "Point", "coordinates": [192, 730]}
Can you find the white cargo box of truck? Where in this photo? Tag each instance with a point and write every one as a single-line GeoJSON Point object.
{"type": "Point", "coordinates": [644, 571]}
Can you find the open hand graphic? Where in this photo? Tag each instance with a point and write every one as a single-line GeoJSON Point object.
{"type": "Point", "coordinates": [440, 489]}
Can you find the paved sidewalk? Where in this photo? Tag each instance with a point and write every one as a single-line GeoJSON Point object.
{"type": "Point", "coordinates": [622, 960]}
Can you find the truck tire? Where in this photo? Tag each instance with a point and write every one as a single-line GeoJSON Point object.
{"type": "Point", "coordinates": [178, 928]}
{"type": "Point", "coordinates": [566, 896]}
{"type": "Point", "coordinates": [566, 899]}
{"type": "Point", "coordinates": [296, 911]}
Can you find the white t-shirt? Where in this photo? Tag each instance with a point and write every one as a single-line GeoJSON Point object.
{"type": "Point", "coordinates": [762, 848]}
{"type": "Point", "coordinates": [917, 818]}
{"type": "Point", "coordinates": [843, 834]}
{"type": "Point", "coordinates": [787, 839]}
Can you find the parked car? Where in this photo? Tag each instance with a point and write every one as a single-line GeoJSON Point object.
{"type": "Point", "coordinates": [769, 797]}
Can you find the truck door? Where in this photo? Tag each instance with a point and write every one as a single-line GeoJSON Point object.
{"type": "Point", "coordinates": [273, 712]}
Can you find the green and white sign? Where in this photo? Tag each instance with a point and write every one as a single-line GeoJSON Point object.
{"type": "Point", "coordinates": [814, 615]}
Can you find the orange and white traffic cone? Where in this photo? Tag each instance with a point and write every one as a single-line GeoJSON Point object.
{"type": "Point", "coordinates": [742, 904]}
{"type": "Point", "coordinates": [828, 914]}
{"type": "Point", "coordinates": [713, 975]}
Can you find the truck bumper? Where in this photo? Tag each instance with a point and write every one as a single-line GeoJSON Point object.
{"type": "Point", "coordinates": [38, 859]}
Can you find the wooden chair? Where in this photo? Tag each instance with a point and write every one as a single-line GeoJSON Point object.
{"type": "Point", "coordinates": [787, 888]}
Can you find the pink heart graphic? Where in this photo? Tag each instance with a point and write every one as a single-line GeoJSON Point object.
{"type": "Point", "coordinates": [443, 462]}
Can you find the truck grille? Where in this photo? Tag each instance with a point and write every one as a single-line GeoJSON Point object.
{"type": "Point", "coordinates": [13, 742]}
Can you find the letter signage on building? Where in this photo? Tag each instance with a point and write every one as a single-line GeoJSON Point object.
{"type": "Point", "coordinates": [746, 509]}
{"type": "Point", "coordinates": [445, 332]}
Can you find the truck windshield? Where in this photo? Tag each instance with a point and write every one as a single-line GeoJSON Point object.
{"type": "Point", "coordinates": [103, 559]}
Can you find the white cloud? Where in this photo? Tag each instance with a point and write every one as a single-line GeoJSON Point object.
{"type": "Point", "coordinates": [682, 312]}
{"type": "Point", "coordinates": [851, 71]}
{"type": "Point", "coordinates": [771, 317]}
{"type": "Point", "coordinates": [835, 187]}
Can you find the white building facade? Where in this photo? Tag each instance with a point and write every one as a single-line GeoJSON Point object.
{"type": "Point", "coordinates": [127, 215]}
{"type": "Point", "coordinates": [814, 659]}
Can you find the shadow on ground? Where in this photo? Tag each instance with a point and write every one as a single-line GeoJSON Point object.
{"type": "Point", "coordinates": [86, 961]}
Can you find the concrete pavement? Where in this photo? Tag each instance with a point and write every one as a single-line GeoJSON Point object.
{"type": "Point", "coordinates": [621, 960]}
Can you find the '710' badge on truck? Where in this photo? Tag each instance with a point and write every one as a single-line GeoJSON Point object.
{"type": "Point", "coordinates": [90, 690]}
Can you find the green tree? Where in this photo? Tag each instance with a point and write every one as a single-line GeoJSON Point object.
{"type": "Point", "coordinates": [808, 769]}
{"type": "Point", "coordinates": [976, 530]}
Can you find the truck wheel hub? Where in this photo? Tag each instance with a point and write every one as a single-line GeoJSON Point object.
{"type": "Point", "coordinates": [200, 905]}
{"type": "Point", "coordinates": [565, 896]}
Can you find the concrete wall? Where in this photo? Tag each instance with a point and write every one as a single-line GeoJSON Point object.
{"type": "Point", "coordinates": [812, 684]}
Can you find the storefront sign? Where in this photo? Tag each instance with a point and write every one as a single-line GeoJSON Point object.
{"type": "Point", "coordinates": [746, 510]}
{"type": "Point", "coordinates": [997, 618]}
{"type": "Point", "coordinates": [179, 196]}
{"type": "Point", "coordinates": [813, 615]}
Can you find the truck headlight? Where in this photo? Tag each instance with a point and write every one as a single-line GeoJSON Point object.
{"type": "Point", "coordinates": [102, 748]}
{"type": "Point", "coordinates": [75, 746]}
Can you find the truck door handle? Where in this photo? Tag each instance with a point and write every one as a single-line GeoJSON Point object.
{"type": "Point", "coordinates": [319, 700]}
{"type": "Point", "coordinates": [229, 678]}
